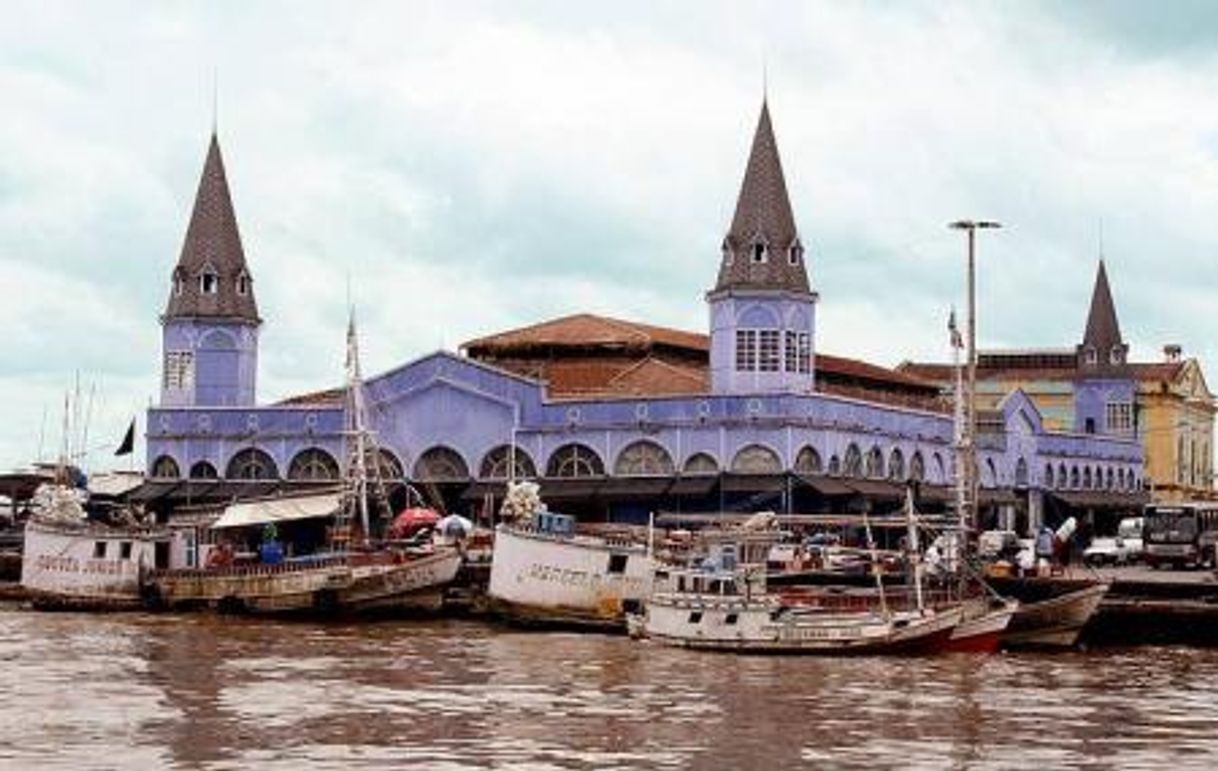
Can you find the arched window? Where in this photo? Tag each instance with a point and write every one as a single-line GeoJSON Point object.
{"type": "Point", "coordinates": [1075, 482]}
{"type": "Point", "coordinates": [756, 459]}
{"type": "Point", "coordinates": [643, 458]}
{"type": "Point", "coordinates": [1048, 475]}
{"type": "Point", "coordinates": [874, 466]}
{"type": "Point", "coordinates": [1086, 477]}
{"type": "Point", "coordinates": [917, 467]}
{"type": "Point", "coordinates": [1021, 473]}
{"type": "Point", "coordinates": [313, 465]}
{"type": "Point", "coordinates": [1108, 479]}
{"type": "Point", "coordinates": [701, 463]}
{"type": "Point", "coordinates": [165, 467]}
{"type": "Point", "coordinates": [441, 464]}
{"type": "Point", "coordinates": [251, 463]}
{"type": "Point", "coordinates": [835, 466]}
{"type": "Point", "coordinates": [896, 465]}
{"type": "Point", "coordinates": [807, 461]}
{"type": "Point", "coordinates": [386, 464]}
{"type": "Point", "coordinates": [203, 469]}
{"type": "Point", "coordinates": [940, 468]}
{"type": "Point", "coordinates": [852, 466]}
{"type": "Point", "coordinates": [991, 473]}
{"type": "Point", "coordinates": [1063, 481]}
{"type": "Point", "coordinates": [495, 464]}
{"type": "Point", "coordinates": [575, 460]}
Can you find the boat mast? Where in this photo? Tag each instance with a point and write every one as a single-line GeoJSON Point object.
{"type": "Point", "coordinates": [360, 447]}
{"type": "Point", "coordinates": [915, 554]}
{"type": "Point", "coordinates": [875, 564]}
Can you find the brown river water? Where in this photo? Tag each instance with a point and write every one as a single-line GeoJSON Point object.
{"type": "Point", "coordinates": [130, 691]}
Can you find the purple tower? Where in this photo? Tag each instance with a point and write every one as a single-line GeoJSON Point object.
{"type": "Point", "coordinates": [1104, 389]}
{"type": "Point", "coordinates": [762, 311]}
{"type": "Point", "coordinates": [209, 336]}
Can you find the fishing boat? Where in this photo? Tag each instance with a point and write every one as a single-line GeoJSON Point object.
{"type": "Point", "coordinates": [724, 607]}
{"type": "Point", "coordinates": [355, 575]}
{"type": "Point", "coordinates": [72, 562]}
{"type": "Point", "coordinates": [544, 572]}
{"type": "Point", "coordinates": [1055, 613]}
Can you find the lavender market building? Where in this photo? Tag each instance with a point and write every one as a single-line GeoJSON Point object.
{"type": "Point", "coordinates": [614, 418]}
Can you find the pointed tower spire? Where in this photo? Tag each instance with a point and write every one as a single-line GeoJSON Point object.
{"type": "Point", "coordinates": [211, 279]}
{"type": "Point", "coordinates": [762, 248]}
{"type": "Point", "coordinates": [1102, 343]}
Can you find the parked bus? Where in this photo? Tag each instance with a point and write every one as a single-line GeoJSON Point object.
{"type": "Point", "coordinates": [1180, 534]}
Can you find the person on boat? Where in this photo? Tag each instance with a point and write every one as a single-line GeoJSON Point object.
{"type": "Point", "coordinates": [221, 556]}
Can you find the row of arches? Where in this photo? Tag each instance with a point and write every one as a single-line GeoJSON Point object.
{"type": "Point", "coordinates": [1089, 478]}
{"type": "Point", "coordinates": [311, 465]}
{"type": "Point", "coordinates": [639, 458]}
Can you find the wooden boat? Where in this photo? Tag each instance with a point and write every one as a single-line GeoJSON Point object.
{"type": "Point", "coordinates": [383, 580]}
{"type": "Point", "coordinates": [545, 573]}
{"type": "Point", "coordinates": [982, 625]}
{"type": "Point", "coordinates": [72, 563]}
{"type": "Point", "coordinates": [1056, 621]}
{"type": "Point", "coordinates": [731, 611]}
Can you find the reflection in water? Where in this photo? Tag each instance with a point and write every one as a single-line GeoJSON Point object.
{"type": "Point", "coordinates": [211, 692]}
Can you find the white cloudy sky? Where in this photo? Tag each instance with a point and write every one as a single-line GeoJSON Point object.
{"type": "Point", "coordinates": [476, 166]}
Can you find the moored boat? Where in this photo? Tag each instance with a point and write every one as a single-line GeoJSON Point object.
{"type": "Point", "coordinates": [70, 562]}
{"type": "Point", "coordinates": [1056, 621]}
{"type": "Point", "coordinates": [982, 625]}
{"type": "Point", "coordinates": [544, 572]}
{"type": "Point", "coordinates": [730, 610]}
{"type": "Point", "coordinates": [375, 581]}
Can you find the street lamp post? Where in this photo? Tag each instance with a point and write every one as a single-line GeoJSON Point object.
{"type": "Point", "coordinates": [969, 440]}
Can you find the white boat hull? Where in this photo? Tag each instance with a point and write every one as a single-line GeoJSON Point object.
{"type": "Point", "coordinates": [763, 626]}
{"type": "Point", "coordinates": [86, 566]}
{"type": "Point", "coordinates": [575, 580]}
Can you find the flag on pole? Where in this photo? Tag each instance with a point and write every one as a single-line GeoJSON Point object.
{"type": "Point", "coordinates": [127, 446]}
{"type": "Point", "coordinates": [957, 340]}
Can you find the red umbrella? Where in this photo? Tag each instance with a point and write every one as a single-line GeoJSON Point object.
{"type": "Point", "coordinates": [409, 520]}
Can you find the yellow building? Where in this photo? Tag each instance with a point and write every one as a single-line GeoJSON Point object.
{"type": "Point", "coordinates": [1176, 421]}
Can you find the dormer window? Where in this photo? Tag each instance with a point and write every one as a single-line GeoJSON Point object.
{"type": "Point", "coordinates": [243, 284]}
{"type": "Point", "coordinates": [759, 252]}
{"type": "Point", "coordinates": [1089, 355]}
{"type": "Point", "coordinates": [209, 282]}
{"type": "Point", "coordinates": [1117, 355]}
{"type": "Point", "coordinates": [177, 286]}
{"type": "Point", "coordinates": [795, 253]}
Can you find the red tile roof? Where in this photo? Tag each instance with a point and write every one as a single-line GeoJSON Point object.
{"type": "Point", "coordinates": [586, 330]}
{"type": "Point", "coordinates": [854, 368]}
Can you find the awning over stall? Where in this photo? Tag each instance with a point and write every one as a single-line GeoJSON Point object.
{"type": "Point", "coordinates": [1102, 499]}
{"type": "Point", "coordinates": [825, 485]}
{"type": "Point", "coordinates": [277, 510]}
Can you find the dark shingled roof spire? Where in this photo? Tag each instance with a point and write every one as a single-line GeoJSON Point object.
{"type": "Point", "coordinates": [212, 249]}
{"type": "Point", "coordinates": [1102, 338]}
{"type": "Point", "coordinates": [762, 248]}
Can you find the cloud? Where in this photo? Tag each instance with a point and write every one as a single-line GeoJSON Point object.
{"type": "Point", "coordinates": [474, 167]}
